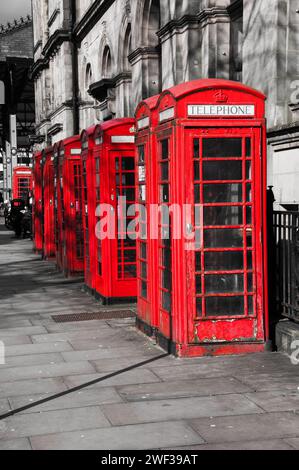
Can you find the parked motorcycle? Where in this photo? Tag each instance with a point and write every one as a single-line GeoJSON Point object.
{"type": "Point", "coordinates": [26, 222]}
{"type": "Point", "coordinates": [13, 219]}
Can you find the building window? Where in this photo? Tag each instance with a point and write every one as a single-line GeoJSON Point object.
{"type": "Point", "coordinates": [151, 22]}
{"type": "Point", "coordinates": [88, 76]}
{"type": "Point", "coordinates": [236, 49]}
{"type": "Point", "coordinates": [107, 63]}
{"type": "Point", "coordinates": [127, 48]}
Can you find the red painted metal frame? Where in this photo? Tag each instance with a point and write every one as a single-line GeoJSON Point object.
{"type": "Point", "coordinates": [88, 206]}
{"type": "Point", "coordinates": [147, 253]}
{"type": "Point", "coordinates": [114, 272]}
{"type": "Point", "coordinates": [49, 249]}
{"type": "Point", "coordinates": [37, 209]}
{"type": "Point", "coordinates": [58, 228]}
{"type": "Point", "coordinates": [192, 333]}
{"type": "Point", "coordinates": [70, 242]}
{"type": "Point", "coordinates": [19, 173]}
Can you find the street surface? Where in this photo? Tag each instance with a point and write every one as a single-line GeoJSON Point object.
{"type": "Point", "coordinates": [247, 402]}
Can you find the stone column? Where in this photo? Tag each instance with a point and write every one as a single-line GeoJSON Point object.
{"type": "Point", "coordinates": [145, 63]}
{"type": "Point", "coordinates": [214, 23]}
{"type": "Point", "coordinates": [123, 95]}
{"type": "Point", "coordinates": [180, 51]}
{"type": "Point", "coordinates": [263, 49]}
{"type": "Point", "coordinates": [272, 26]}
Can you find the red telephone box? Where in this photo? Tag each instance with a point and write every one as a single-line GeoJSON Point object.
{"type": "Point", "coordinates": [22, 182]}
{"type": "Point", "coordinates": [146, 122]}
{"type": "Point", "coordinates": [48, 198]}
{"type": "Point", "coordinates": [68, 207]}
{"type": "Point", "coordinates": [114, 178]}
{"type": "Point", "coordinates": [210, 163]}
{"type": "Point", "coordinates": [88, 206]}
{"type": "Point", "coordinates": [58, 202]}
{"type": "Point", "coordinates": [37, 209]}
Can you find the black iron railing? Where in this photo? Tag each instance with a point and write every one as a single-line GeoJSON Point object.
{"type": "Point", "coordinates": [284, 263]}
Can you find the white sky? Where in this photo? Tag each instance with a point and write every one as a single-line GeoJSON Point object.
{"type": "Point", "coordinates": [11, 9]}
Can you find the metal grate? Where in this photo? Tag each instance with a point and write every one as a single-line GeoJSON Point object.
{"type": "Point", "coordinates": [104, 315]}
{"type": "Point", "coordinates": [286, 253]}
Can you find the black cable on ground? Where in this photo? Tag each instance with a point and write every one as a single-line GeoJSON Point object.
{"type": "Point", "coordinates": [81, 387]}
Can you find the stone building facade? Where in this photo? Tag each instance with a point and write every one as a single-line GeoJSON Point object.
{"type": "Point", "coordinates": [17, 107]}
{"type": "Point", "coordinates": [97, 59]}
{"type": "Point", "coordinates": [16, 59]}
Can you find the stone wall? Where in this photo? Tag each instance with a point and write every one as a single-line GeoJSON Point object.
{"type": "Point", "coordinates": [131, 49]}
{"type": "Point", "coordinates": [272, 66]}
{"type": "Point", "coordinates": [16, 57]}
{"type": "Point", "coordinates": [147, 45]}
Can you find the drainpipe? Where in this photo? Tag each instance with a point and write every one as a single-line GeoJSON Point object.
{"type": "Point", "coordinates": [75, 78]}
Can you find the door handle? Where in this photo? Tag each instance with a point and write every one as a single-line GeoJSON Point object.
{"type": "Point", "coordinates": [189, 229]}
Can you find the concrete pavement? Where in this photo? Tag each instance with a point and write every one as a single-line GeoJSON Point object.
{"type": "Point", "coordinates": [247, 402]}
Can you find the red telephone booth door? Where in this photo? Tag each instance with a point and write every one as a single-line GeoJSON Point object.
{"type": "Point", "coordinates": [49, 234]}
{"type": "Point", "coordinates": [22, 182]}
{"type": "Point", "coordinates": [164, 269]}
{"type": "Point", "coordinates": [62, 245]}
{"type": "Point", "coordinates": [87, 218]}
{"type": "Point", "coordinates": [58, 212]}
{"type": "Point", "coordinates": [147, 259]}
{"type": "Point", "coordinates": [145, 297]}
{"type": "Point", "coordinates": [125, 187]}
{"type": "Point", "coordinates": [88, 207]}
{"type": "Point", "coordinates": [38, 213]}
{"type": "Point", "coordinates": [225, 293]}
{"type": "Point", "coordinates": [75, 255]}
{"type": "Point", "coordinates": [23, 187]}
{"type": "Point", "coordinates": [117, 256]}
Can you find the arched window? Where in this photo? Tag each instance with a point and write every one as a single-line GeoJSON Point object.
{"type": "Point", "coordinates": [107, 63]}
{"type": "Point", "coordinates": [151, 63]}
{"type": "Point", "coordinates": [88, 76]}
{"type": "Point", "coordinates": [151, 22]}
{"type": "Point", "coordinates": [127, 47]}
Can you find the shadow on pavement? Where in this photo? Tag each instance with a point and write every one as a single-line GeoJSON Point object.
{"type": "Point", "coordinates": [26, 273]}
{"type": "Point", "coordinates": [6, 236]}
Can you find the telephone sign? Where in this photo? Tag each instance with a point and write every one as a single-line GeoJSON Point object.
{"type": "Point", "coordinates": [221, 110]}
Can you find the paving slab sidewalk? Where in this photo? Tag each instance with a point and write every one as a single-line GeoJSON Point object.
{"type": "Point", "coordinates": [198, 404]}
